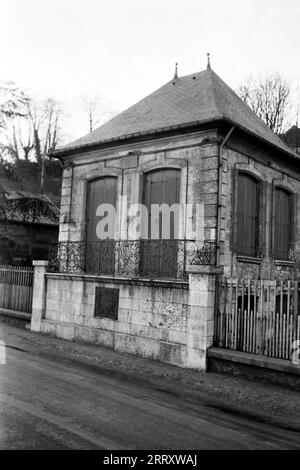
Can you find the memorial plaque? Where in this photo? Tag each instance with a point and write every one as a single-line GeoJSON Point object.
{"type": "Point", "coordinates": [106, 302]}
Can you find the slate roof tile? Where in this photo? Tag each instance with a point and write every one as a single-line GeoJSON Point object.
{"type": "Point", "coordinates": [194, 98]}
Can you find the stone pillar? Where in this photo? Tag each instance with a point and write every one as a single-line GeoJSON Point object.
{"type": "Point", "coordinates": [200, 320]}
{"type": "Point", "coordinates": [39, 294]}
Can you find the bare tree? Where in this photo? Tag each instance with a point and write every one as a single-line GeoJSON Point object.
{"type": "Point", "coordinates": [53, 112]}
{"type": "Point", "coordinates": [45, 120]}
{"type": "Point", "coordinates": [97, 110]}
{"type": "Point", "coordinates": [13, 102]}
{"type": "Point", "coordinates": [18, 139]}
{"type": "Point", "coordinates": [33, 133]}
{"type": "Point", "coordinates": [269, 99]}
{"type": "Point", "coordinates": [13, 108]}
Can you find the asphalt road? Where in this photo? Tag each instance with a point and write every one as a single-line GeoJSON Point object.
{"type": "Point", "coordinates": [53, 402]}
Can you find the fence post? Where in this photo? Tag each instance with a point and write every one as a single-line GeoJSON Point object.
{"type": "Point", "coordinates": [39, 294]}
{"type": "Point", "coordinates": [201, 316]}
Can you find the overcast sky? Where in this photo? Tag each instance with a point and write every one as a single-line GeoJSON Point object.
{"type": "Point", "coordinates": [124, 49]}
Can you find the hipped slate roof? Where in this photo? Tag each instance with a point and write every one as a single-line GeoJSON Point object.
{"type": "Point", "coordinates": [194, 99]}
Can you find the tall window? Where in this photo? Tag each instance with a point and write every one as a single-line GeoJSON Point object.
{"type": "Point", "coordinates": [100, 254]}
{"type": "Point", "coordinates": [247, 215]}
{"type": "Point", "coordinates": [159, 253]}
{"type": "Point", "coordinates": [282, 223]}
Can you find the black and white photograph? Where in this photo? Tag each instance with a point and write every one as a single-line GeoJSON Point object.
{"type": "Point", "coordinates": [149, 230]}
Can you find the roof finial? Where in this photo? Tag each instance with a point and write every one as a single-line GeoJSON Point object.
{"type": "Point", "coordinates": [176, 70]}
{"type": "Point", "coordinates": [208, 61]}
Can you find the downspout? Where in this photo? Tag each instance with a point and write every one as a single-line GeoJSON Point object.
{"type": "Point", "coordinates": [219, 213]}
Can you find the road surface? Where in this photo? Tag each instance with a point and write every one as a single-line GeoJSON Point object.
{"type": "Point", "coordinates": [49, 401]}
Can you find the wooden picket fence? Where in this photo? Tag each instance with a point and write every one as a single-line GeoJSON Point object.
{"type": "Point", "coordinates": [258, 316]}
{"type": "Point", "coordinates": [16, 288]}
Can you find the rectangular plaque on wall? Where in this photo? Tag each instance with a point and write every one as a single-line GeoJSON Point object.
{"type": "Point", "coordinates": [106, 302]}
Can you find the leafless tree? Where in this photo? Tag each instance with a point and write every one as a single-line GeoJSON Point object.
{"type": "Point", "coordinates": [32, 133]}
{"type": "Point", "coordinates": [97, 110]}
{"type": "Point", "coordinates": [13, 102]}
{"type": "Point", "coordinates": [269, 99]}
{"type": "Point", "coordinates": [13, 108]}
{"type": "Point", "coordinates": [18, 141]}
{"type": "Point", "coordinates": [45, 121]}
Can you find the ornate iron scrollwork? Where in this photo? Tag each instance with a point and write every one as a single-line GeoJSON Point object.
{"type": "Point", "coordinates": [291, 252]}
{"type": "Point", "coordinates": [68, 257]}
{"type": "Point", "coordinates": [144, 258]}
{"type": "Point", "coordinates": [128, 256]}
{"type": "Point", "coordinates": [201, 254]}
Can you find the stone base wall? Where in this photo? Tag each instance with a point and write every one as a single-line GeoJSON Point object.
{"type": "Point", "coordinates": [171, 322]}
{"type": "Point", "coordinates": [152, 321]}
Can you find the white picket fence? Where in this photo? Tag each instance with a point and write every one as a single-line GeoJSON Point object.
{"type": "Point", "coordinates": [258, 316]}
{"type": "Point", "coordinates": [16, 288]}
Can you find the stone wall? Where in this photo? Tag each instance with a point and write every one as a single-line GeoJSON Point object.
{"type": "Point", "coordinates": [171, 322]}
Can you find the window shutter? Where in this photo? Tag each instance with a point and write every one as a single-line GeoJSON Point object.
{"type": "Point", "coordinates": [283, 223]}
{"type": "Point", "coordinates": [159, 256]}
{"type": "Point", "coordinates": [234, 238]}
{"type": "Point", "coordinates": [100, 254]}
{"type": "Point", "coordinates": [247, 215]}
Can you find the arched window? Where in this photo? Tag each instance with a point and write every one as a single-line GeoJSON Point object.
{"type": "Point", "coordinates": [247, 240]}
{"type": "Point", "coordinates": [283, 221]}
{"type": "Point", "coordinates": [100, 253]}
{"type": "Point", "coordinates": [159, 252]}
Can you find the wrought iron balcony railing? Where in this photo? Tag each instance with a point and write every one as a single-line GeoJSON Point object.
{"type": "Point", "coordinates": [286, 253]}
{"type": "Point", "coordinates": [134, 258]}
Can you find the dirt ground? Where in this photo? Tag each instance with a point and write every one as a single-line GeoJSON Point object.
{"type": "Point", "coordinates": [260, 401]}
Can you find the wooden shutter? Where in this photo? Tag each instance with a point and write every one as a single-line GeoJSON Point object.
{"type": "Point", "coordinates": [161, 187]}
{"type": "Point", "coordinates": [247, 215]}
{"type": "Point", "coordinates": [101, 191]}
{"type": "Point", "coordinates": [282, 223]}
{"type": "Point", "coordinates": [159, 257]}
{"type": "Point", "coordinates": [99, 253]}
